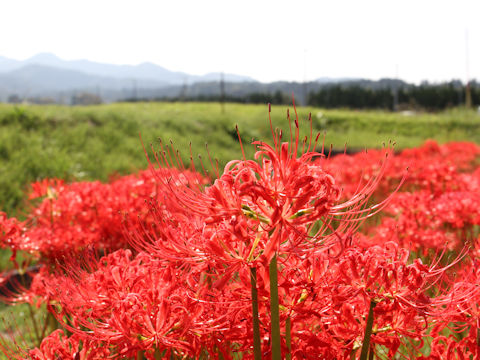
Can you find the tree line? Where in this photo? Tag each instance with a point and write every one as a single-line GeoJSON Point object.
{"type": "Point", "coordinates": [425, 96]}
{"type": "Point", "coordinates": [387, 94]}
{"type": "Point", "coordinates": [275, 98]}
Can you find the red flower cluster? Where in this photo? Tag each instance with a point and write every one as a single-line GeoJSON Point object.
{"type": "Point", "coordinates": [70, 217]}
{"type": "Point", "coordinates": [438, 199]}
{"type": "Point", "coordinates": [432, 167]}
{"type": "Point", "coordinates": [59, 346]}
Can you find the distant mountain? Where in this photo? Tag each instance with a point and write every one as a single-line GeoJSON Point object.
{"type": "Point", "coordinates": [7, 64]}
{"type": "Point", "coordinates": [144, 71]}
{"type": "Point", "coordinates": [41, 79]}
{"type": "Point", "coordinates": [47, 77]}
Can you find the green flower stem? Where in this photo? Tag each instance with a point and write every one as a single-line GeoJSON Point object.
{"type": "Point", "coordinates": [368, 332]}
{"type": "Point", "coordinates": [478, 333]}
{"type": "Point", "coordinates": [34, 322]}
{"type": "Point", "coordinates": [157, 354]}
{"type": "Point", "coordinates": [288, 336]}
{"type": "Point", "coordinates": [257, 350]}
{"type": "Point", "coordinates": [45, 326]}
{"type": "Point", "coordinates": [274, 310]}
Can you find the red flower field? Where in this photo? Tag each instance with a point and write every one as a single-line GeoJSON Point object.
{"type": "Point", "coordinates": [294, 254]}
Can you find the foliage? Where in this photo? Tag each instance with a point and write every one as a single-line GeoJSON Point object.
{"type": "Point", "coordinates": [425, 96]}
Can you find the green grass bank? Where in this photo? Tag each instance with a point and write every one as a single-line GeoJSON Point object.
{"type": "Point", "coordinates": [94, 142]}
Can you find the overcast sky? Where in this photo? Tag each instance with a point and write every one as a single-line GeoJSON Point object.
{"type": "Point", "coordinates": [267, 40]}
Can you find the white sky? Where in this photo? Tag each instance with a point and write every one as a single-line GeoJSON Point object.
{"type": "Point", "coordinates": [267, 40]}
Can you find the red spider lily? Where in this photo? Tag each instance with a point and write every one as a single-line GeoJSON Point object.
{"type": "Point", "coordinates": [132, 304]}
{"type": "Point", "coordinates": [59, 346]}
{"type": "Point", "coordinates": [443, 347]}
{"type": "Point", "coordinates": [45, 187]}
{"type": "Point", "coordinates": [330, 313]}
{"type": "Point", "coordinates": [352, 170]}
{"type": "Point", "coordinates": [257, 208]}
{"type": "Point", "coordinates": [282, 203]}
{"type": "Point", "coordinates": [73, 216]}
{"type": "Point", "coordinates": [457, 335]}
{"type": "Point", "coordinates": [432, 167]}
{"type": "Point", "coordinates": [424, 221]}
{"type": "Point", "coordinates": [10, 230]}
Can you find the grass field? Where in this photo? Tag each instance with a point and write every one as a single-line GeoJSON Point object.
{"type": "Point", "coordinates": [94, 142]}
